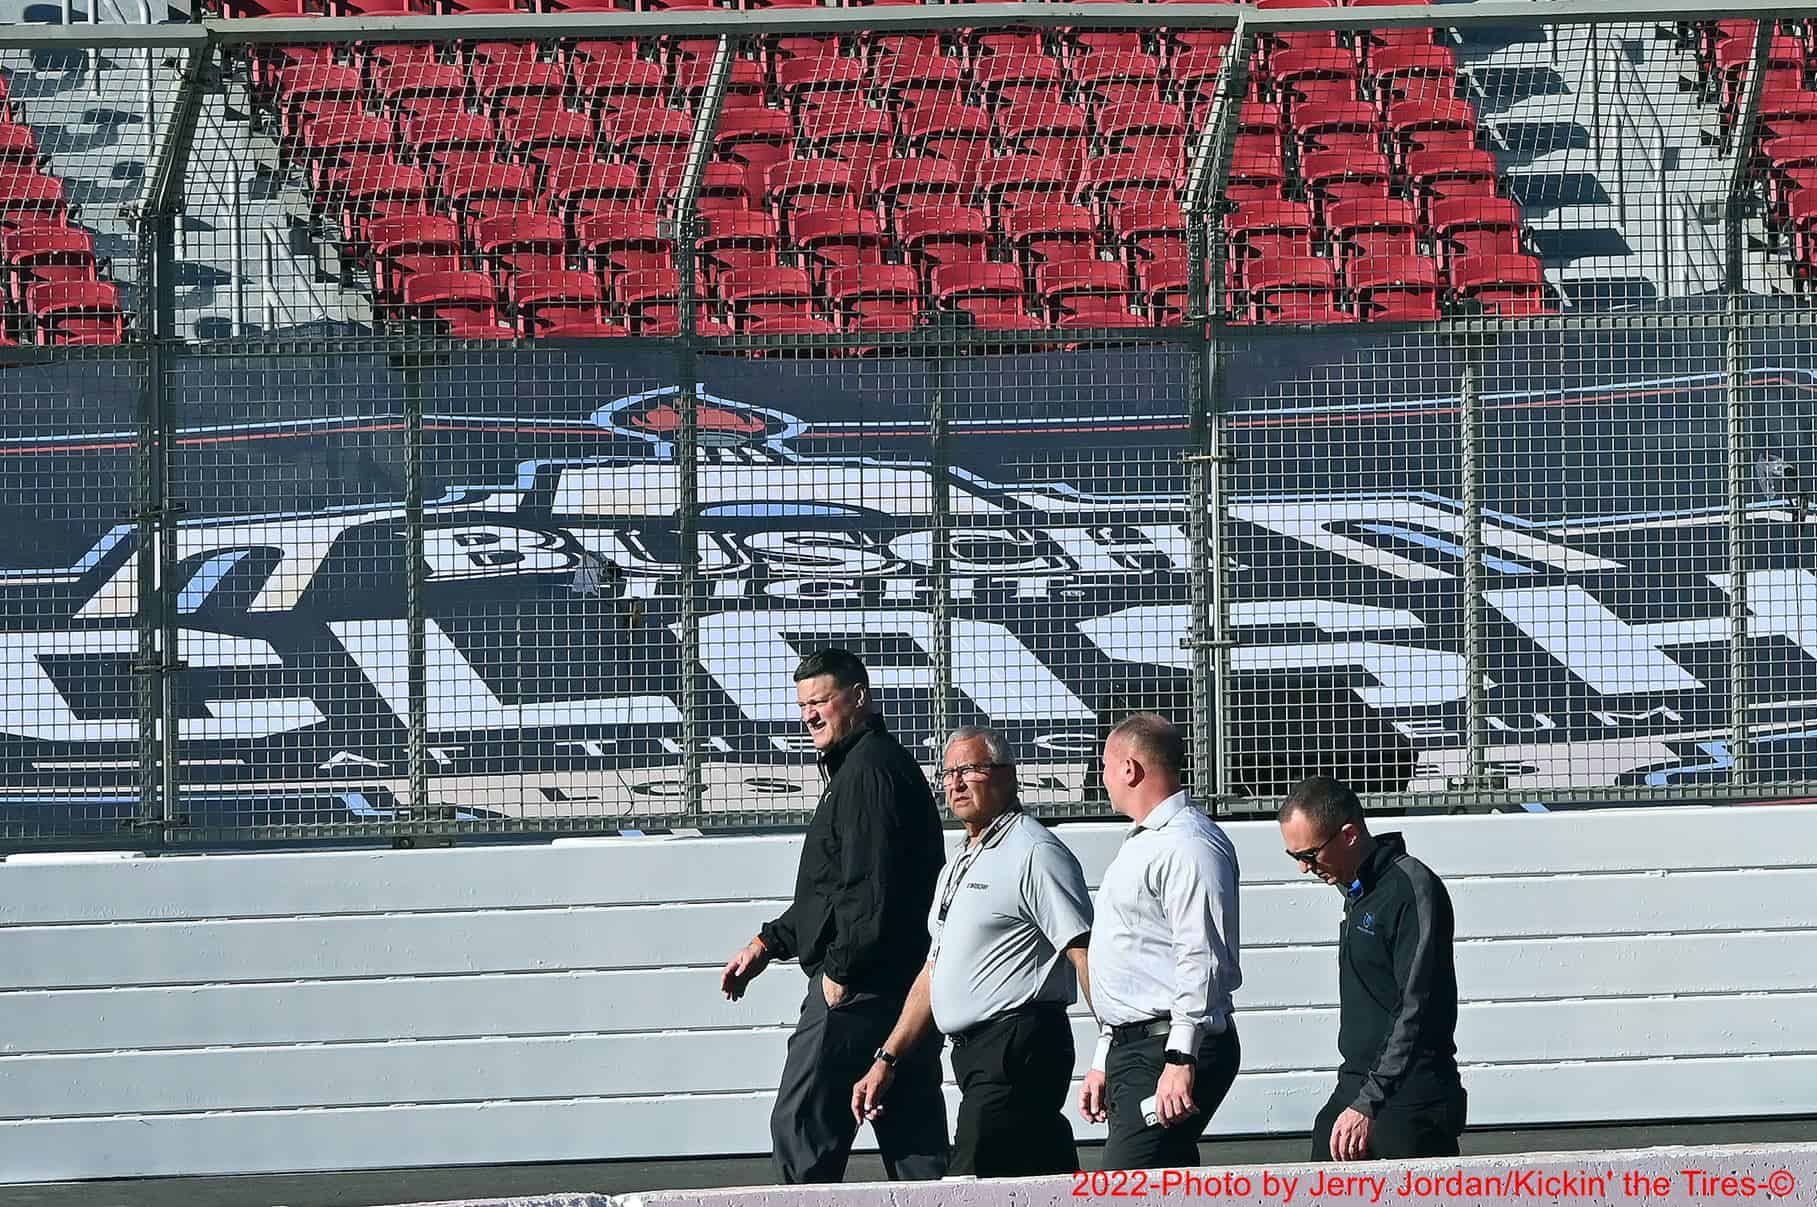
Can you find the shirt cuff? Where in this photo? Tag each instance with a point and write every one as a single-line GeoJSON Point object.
{"type": "Point", "coordinates": [1101, 1053]}
{"type": "Point", "coordinates": [1183, 1036]}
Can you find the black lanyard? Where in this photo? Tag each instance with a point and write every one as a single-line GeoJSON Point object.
{"type": "Point", "coordinates": [963, 865]}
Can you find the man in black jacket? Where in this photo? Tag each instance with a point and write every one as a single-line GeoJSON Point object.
{"type": "Point", "coordinates": [1398, 1093]}
{"type": "Point", "coordinates": [858, 924]}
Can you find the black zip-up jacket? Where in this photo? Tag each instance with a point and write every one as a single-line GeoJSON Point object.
{"type": "Point", "coordinates": [1397, 983]}
{"type": "Point", "coordinates": [868, 867]}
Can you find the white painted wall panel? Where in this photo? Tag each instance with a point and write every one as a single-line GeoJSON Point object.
{"type": "Point", "coordinates": [357, 1009]}
{"type": "Point", "coordinates": [689, 999]}
{"type": "Point", "coordinates": [493, 940]}
{"type": "Point", "coordinates": [653, 871]}
{"type": "Point", "coordinates": [677, 1062]}
{"type": "Point", "coordinates": [705, 1124]}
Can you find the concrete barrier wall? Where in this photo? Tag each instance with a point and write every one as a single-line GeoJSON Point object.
{"type": "Point", "coordinates": [349, 1010]}
{"type": "Point", "coordinates": [1703, 1175]}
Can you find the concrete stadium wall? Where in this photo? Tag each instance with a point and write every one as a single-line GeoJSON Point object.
{"type": "Point", "coordinates": [285, 1012]}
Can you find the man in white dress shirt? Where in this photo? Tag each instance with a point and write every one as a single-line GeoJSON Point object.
{"type": "Point", "coordinates": [1163, 957]}
{"type": "Point", "coordinates": [1009, 924]}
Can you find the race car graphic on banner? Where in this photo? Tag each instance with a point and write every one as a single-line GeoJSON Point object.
{"type": "Point", "coordinates": [553, 644]}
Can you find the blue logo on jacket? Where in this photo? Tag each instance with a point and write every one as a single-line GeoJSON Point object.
{"type": "Point", "coordinates": [1366, 924]}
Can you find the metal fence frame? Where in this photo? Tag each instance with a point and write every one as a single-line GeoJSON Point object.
{"type": "Point", "coordinates": [1206, 336]}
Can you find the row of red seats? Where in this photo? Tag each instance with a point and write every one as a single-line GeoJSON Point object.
{"type": "Point", "coordinates": [910, 155]}
{"type": "Point", "coordinates": [52, 276]}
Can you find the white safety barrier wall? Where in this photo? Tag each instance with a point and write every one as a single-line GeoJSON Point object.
{"type": "Point", "coordinates": [348, 1010]}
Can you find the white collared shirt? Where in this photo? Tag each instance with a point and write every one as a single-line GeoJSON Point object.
{"type": "Point", "coordinates": [1165, 939]}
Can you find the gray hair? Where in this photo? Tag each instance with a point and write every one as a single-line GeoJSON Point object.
{"type": "Point", "coordinates": [995, 744]}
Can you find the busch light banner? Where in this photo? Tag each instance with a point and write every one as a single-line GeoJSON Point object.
{"type": "Point", "coordinates": [553, 664]}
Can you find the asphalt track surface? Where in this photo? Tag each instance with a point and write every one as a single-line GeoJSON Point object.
{"type": "Point", "coordinates": [384, 1187]}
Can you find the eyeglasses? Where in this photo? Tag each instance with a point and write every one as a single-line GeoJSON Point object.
{"type": "Point", "coordinates": [1310, 855]}
{"type": "Point", "coordinates": [966, 770]}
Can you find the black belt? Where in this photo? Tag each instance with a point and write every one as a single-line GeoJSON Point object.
{"type": "Point", "coordinates": [1148, 1028]}
{"type": "Point", "coordinates": [961, 1038]}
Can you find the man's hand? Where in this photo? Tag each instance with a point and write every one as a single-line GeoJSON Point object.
{"type": "Point", "coordinates": [1350, 1136]}
{"type": "Point", "coordinates": [1091, 1097]}
{"type": "Point", "coordinates": [832, 990]}
{"type": "Point", "coordinates": [867, 1095]}
{"type": "Point", "coordinates": [743, 968]}
{"type": "Point", "coordinates": [1173, 1095]}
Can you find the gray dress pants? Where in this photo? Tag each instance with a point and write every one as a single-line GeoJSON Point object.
{"type": "Point", "coordinates": [812, 1126]}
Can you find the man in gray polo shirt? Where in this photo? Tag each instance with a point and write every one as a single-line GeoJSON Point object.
{"type": "Point", "coordinates": [1010, 923]}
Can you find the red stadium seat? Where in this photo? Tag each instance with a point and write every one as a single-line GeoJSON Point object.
{"type": "Point", "coordinates": [1398, 288]}
{"type": "Point", "coordinates": [845, 130]}
{"type": "Point", "coordinates": [463, 304]}
{"type": "Point", "coordinates": [1419, 125]}
{"type": "Point", "coordinates": [407, 244]}
{"type": "Point", "coordinates": [814, 81]}
{"type": "Point", "coordinates": [1262, 231]}
{"type": "Point", "coordinates": [959, 134]}
{"type": "Point", "coordinates": [512, 244]}
{"type": "Point", "coordinates": [1118, 77]}
{"type": "Point", "coordinates": [940, 235]}
{"type": "Point", "coordinates": [1473, 228]}
{"type": "Point", "coordinates": [1014, 181]}
{"type": "Point", "coordinates": [734, 239]}
{"type": "Point", "coordinates": [1373, 228]}
{"type": "Point", "coordinates": [1421, 72]}
{"type": "Point", "coordinates": [1052, 232]}
{"type": "Point", "coordinates": [1349, 127]}
{"type": "Point", "coordinates": [809, 182]}
{"type": "Point", "coordinates": [905, 184]}
{"type": "Point", "coordinates": [1334, 176]}
{"type": "Point", "coordinates": [562, 297]}
{"type": "Point", "coordinates": [1321, 76]}
{"type": "Point", "coordinates": [377, 188]}
{"type": "Point", "coordinates": [980, 290]}
{"type": "Point", "coordinates": [1291, 289]}
{"type": "Point", "coordinates": [68, 313]}
{"type": "Point", "coordinates": [1150, 230]}
{"type": "Point", "coordinates": [1047, 130]}
{"type": "Point", "coordinates": [1086, 292]}
{"type": "Point", "coordinates": [1010, 80]}
{"type": "Point", "coordinates": [752, 295]}
{"type": "Point", "coordinates": [43, 255]}
{"type": "Point", "coordinates": [576, 190]}
{"type": "Point", "coordinates": [623, 240]}
{"type": "Point", "coordinates": [1164, 287]}
{"type": "Point", "coordinates": [31, 198]}
{"type": "Point", "coordinates": [1501, 284]}
{"type": "Point", "coordinates": [839, 238]}
{"type": "Point", "coordinates": [1109, 181]}
{"type": "Point", "coordinates": [874, 291]}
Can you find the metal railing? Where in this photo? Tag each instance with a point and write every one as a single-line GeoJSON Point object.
{"type": "Point", "coordinates": [380, 581]}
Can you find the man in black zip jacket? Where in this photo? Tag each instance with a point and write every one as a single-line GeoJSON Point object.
{"type": "Point", "coordinates": [1398, 1092]}
{"type": "Point", "coordinates": [858, 924]}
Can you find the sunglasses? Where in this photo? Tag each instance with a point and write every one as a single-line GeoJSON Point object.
{"type": "Point", "coordinates": [1310, 855]}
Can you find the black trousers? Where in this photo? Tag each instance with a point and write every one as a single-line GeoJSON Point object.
{"type": "Point", "coordinates": [1131, 1074]}
{"type": "Point", "coordinates": [812, 1127]}
{"type": "Point", "coordinates": [1428, 1128]}
{"type": "Point", "coordinates": [1014, 1072]}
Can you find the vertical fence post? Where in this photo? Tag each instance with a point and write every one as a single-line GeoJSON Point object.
{"type": "Point", "coordinates": [1207, 459]}
{"type": "Point", "coordinates": [416, 616]}
{"type": "Point", "coordinates": [1735, 431]}
{"type": "Point", "coordinates": [1470, 448]}
{"type": "Point", "coordinates": [940, 564]}
{"type": "Point", "coordinates": [159, 661]}
{"type": "Point", "coordinates": [687, 443]}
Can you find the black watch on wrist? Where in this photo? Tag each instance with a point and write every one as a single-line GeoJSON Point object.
{"type": "Point", "coordinates": [886, 1056]}
{"type": "Point", "coordinates": [1174, 1056]}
